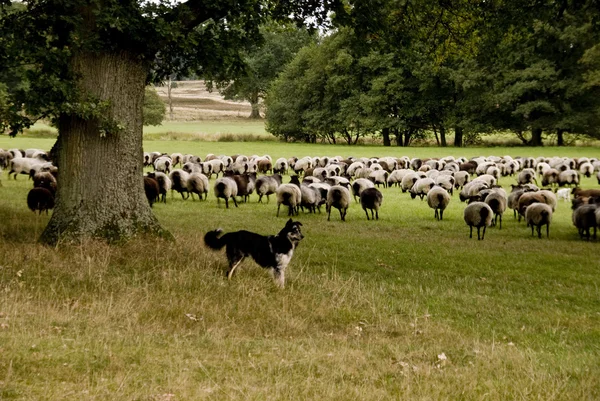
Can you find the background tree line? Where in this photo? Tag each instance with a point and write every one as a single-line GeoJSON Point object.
{"type": "Point", "coordinates": [400, 69]}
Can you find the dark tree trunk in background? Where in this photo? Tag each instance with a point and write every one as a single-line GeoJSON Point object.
{"type": "Point", "coordinates": [385, 133]}
{"type": "Point", "coordinates": [443, 136]}
{"type": "Point", "coordinates": [536, 137]}
{"type": "Point", "coordinates": [255, 113]}
{"type": "Point", "coordinates": [100, 186]}
{"type": "Point", "coordinates": [560, 140]}
{"type": "Point", "coordinates": [398, 136]}
{"type": "Point", "coordinates": [458, 137]}
{"type": "Point", "coordinates": [407, 137]}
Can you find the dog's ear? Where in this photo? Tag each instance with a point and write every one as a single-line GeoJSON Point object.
{"type": "Point", "coordinates": [298, 223]}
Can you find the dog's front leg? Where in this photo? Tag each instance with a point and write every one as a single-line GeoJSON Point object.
{"type": "Point", "coordinates": [279, 277]}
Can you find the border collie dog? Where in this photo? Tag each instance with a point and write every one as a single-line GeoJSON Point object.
{"type": "Point", "coordinates": [272, 252]}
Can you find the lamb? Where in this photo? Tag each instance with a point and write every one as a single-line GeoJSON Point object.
{"type": "Point", "coordinates": [338, 197]}
{"type": "Point", "coordinates": [267, 185]}
{"type": "Point", "coordinates": [478, 214]}
{"type": "Point", "coordinates": [421, 187]}
{"type": "Point", "coordinates": [197, 183]}
{"type": "Point", "coordinates": [179, 182]}
{"type": "Point", "coordinates": [438, 199]}
{"type": "Point", "coordinates": [584, 218]}
{"type": "Point", "coordinates": [164, 184]}
{"type": "Point", "coordinates": [226, 188]}
{"type": "Point", "coordinates": [371, 198]}
{"type": "Point", "coordinates": [289, 195]}
{"type": "Point", "coordinates": [151, 189]}
{"type": "Point", "coordinates": [360, 185]}
{"type": "Point", "coordinates": [564, 193]}
{"type": "Point", "coordinates": [40, 199]}
{"type": "Point", "coordinates": [538, 215]}
{"type": "Point", "coordinates": [497, 202]}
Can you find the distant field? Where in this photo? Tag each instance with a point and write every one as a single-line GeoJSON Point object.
{"type": "Point", "coordinates": [401, 308]}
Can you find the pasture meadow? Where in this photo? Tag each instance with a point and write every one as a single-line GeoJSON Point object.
{"type": "Point", "coordinates": [406, 307]}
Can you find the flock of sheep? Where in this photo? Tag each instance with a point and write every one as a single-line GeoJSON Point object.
{"type": "Point", "coordinates": [334, 181]}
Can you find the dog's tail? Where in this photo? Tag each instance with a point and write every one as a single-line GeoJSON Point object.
{"type": "Point", "coordinates": [212, 239]}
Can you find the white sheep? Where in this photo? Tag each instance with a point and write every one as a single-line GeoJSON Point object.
{"type": "Point", "coordinates": [408, 181]}
{"type": "Point", "coordinates": [461, 178]}
{"type": "Point", "coordinates": [179, 182]}
{"type": "Point", "coordinates": [267, 185]}
{"type": "Point", "coordinates": [564, 194]}
{"type": "Point", "coordinates": [281, 166]}
{"type": "Point", "coordinates": [24, 165]}
{"type": "Point", "coordinates": [421, 187]}
{"type": "Point", "coordinates": [163, 164]}
{"type": "Point", "coordinates": [197, 183]}
{"type": "Point", "coordinates": [289, 195]}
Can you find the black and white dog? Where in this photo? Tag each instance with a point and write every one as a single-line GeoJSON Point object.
{"type": "Point", "coordinates": [271, 252]}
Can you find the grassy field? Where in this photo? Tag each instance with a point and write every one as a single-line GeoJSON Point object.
{"type": "Point", "coordinates": [402, 308]}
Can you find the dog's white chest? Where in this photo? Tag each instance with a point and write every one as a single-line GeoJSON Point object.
{"type": "Point", "coordinates": [283, 259]}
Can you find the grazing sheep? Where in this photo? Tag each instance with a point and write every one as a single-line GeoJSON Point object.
{"type": "Point", "coordinates": [323, 189]}
{"type": "Point", "coordinates": [497, 202]}
{"type": "Point", "coordinates": [469, 167]}
{"type": "Point", "coordinates": [164, 184]}
{"type": "Point", "coordinates": [568, 177]}
{"type": "Point", "coordinates": [585, 193]}
{"type": "Point", "coordinates": [538, 215]}
{"type": "Point", "coordinates": [289, 195]}
{"type": "Point", "coordinates": [478, 214]}
{"type": "Point", "coordinates": [438, 199]}
{"type": "Point", "coordinates": [526, 176]}
{"type": "Point", "coordinates": [151, 189]}
{"type": "Point", "coordinates": [40, 199]}
{"type": "Point", "coordinates": [177, 158]}
{"type": "Point", "coordinates": [584, 218]}
{"type": "Point", "coordinates": [550, 198]}
{"type": "Point", "coordinates": [527, 199]}
{"type": "Point", "coordinates": [446, 181]}
{"type": "Point", "coordinates": [5, 157]}
{"type": "Point", "coordinates": [245, 184]}
{"type": "Point", "coordinates": [226, 188]}
{"type": "Point", "coordinates": [360, 185]}
{"type": "Point", "coordinates": [214, 166]}
{"type": "Point", "coordinates": [343, 181]}
{"type": "Point", "coordinates": [302, 165]}
{"type": "Point", "coordinates": [371, 198]}
{"type": "Point", "coordinates": [338, 197]}
{"type": "Point", "coordinates": [197, 183]}
{"type": "Point", "coordinates": [586, 169]}
{"type": "Point", "coordinates": [550, 177]}
{"type": "Point", "coordinates": [267, 185]}
{"type": "Point", "coordinates": [179, 182]}
{"type": "Point", "coordinates": [421, 187]}
{"type": "Point", "coordinates": [396, 176]}
{"type": "Point", "coordinates": [310, 198]}
{"type": "Point", "coordinates": [462, 178]}
{"type": "Point", "coordinates": [352, 168]}
{"type": "Point", "coordinates": [379, 177]}
{"type": "Point", "coordinates": [191, 167]}
{"type": "Point", "coordinates": [264, 166]}
{"type": "Point", "coordinates": [490, 180]}
{"type": "Point", "coordinates": [24, 165]}
{"type": "Point", "coordinates": [471, 189]}
{"type": "Point", "coordinates": [310, 180]}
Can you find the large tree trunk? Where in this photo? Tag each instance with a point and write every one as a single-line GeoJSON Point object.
{"type": "Point", "coordinates": [458, 137]}
{"type": "Point", "coordinates": [443, 136]}
{"type": "Point", "coordinates": [100, 186]}
{"type": "Point", "coordinates": [385, 133]}
{"type": "Point", "coordinates": [536, 137]}
{"type": "Point", "coordinates": [255, 113]}
{"type": "Point", "coordinates": [560, 140]}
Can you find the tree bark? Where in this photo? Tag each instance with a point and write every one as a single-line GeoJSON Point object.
{"type": "Point", "coordinates": [255, 113]}
{"type": "Point", "coordinates": [398, 135]}
{"type": "Point", "coordinates": [560, 140]}
{"type": "Point", "coordinates": [536, 137]}
{"type": "Point", "coordinates": [443, 136]}
{"type": "Point", "coordinates": [100, 191]}
{"type": "Point", "coordinates": [458, 137]}
{"type": "Point", "coordinates": [169, 87]}
{"type": "Point", "coordinates": [407, 137]}
{"type": "Point", "coordinates": [385, 133]}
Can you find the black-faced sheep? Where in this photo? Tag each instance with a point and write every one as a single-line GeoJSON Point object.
{"type": "Point", "coordinates": [226, 188]}
{"type": "Point", "coordinates": [421, 187]}
{"type": "Point", "coordinates": [538, 215]}
{"type": "Point", "coordinates": [45, 180]}
{"type": "Point", "coordinates": [280, 166]}
{"type": "Point", "coordinates": [371, 199]}
{"type": "Point", "coordinates": [338, 197]}
{"type": "Point", "coordinates": [438, 199]}
{"type": "Point", "coordinates": [40, 199]}
{"type": "Point", "coordinates": [163, 164]}
{"type": "Point", "coordinates": [568, 177]}
{"type": "Point", "coordinates": [478, 214]}
{"type": "Point", "coordinates": [461, 178]}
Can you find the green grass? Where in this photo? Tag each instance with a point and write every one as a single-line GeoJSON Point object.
{"type": "Point", "coordinates": [368, 310]}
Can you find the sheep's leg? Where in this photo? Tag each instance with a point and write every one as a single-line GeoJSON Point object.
{"type": "Point", "coordinates": [268, 199]}
{"type": "Point", "coordinates": [234, 201]}
{"type": "Point", "coordinates": [367, 213]}
{"type": "Point", "coordinates": [436, 215]}
{"type": "Point", "coordinates": [192, 195]}
{"type": "Point", "coordinates": [532, 230]}
{"type": "Point", "coordinates": [548, 230]}
{"type": "Point", "coordinates": [260, 198]}
{"type": "Point", "coordinates": [500, 221]}
{"type": "Point", "coordinates": [470, 231]}
{"type": "Point", "coordinates": [539, 230]}
{"type": "Point", "coordinates": [227, 203]}
{"type": "Point", "coordinates": [278, 206]}
{"type": "Point", "coordinates": [377, 214]}
{"type": "Point", "coordinates": [441, 214]}
{"type": "Point", "coordinates": [328, 213]}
